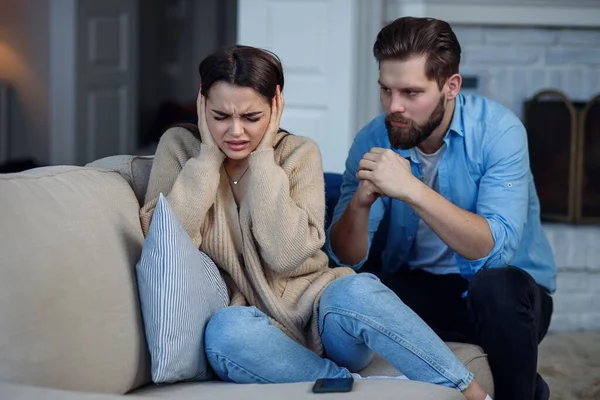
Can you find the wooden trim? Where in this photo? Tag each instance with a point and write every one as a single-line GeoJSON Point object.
{"type": "Point", "coordinates": [580, 161]}
{"type": "Point", "coordinates": [4, 123]}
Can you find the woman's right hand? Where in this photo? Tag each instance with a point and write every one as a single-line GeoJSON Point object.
{"type": "Point", "coordinates": [205, 134]}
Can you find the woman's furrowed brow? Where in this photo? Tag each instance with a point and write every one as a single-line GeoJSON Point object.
{"type": "Point", "coordinates": [252, 114]}
{"type": "Point", "coordinates": [222, 113]}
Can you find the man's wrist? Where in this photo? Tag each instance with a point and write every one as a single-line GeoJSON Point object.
{"type": "Point", "coordinates": [414, 194]}
{"type": "Point", "coordinates": [356, 206]}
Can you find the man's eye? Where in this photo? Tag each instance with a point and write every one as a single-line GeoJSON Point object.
{"type": "Point", "coordinates": [252, 119]}
{"type": "Point", "coordinates": [413, 93]}
{"type": "Point", "coordinates": [219, 118]}
{"type": "Point", "coordinates": [385, 90]}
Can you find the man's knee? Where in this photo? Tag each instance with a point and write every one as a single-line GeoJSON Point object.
{"type": "Point", "coordinates": [500, 290]}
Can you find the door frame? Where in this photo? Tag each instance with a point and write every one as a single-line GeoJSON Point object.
{"type": "Point", "coordinates": [371, 18]}
{"type": "Point", "coordinates": [62, 82]}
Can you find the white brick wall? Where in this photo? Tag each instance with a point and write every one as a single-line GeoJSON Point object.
{"type": "Point", "coordinates": [577, 253]}
{"type": "Point", "coordinates": [514, 63]}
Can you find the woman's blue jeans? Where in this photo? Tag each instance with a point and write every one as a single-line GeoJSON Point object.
{"type": "Point", "coordinates": [358, 316]}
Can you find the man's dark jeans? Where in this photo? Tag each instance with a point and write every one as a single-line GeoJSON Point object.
{"type": "Point", "coordinates": [506, 313]}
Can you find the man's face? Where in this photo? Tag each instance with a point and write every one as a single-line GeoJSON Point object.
{"type": "Point", "coordinates": [414, 105]}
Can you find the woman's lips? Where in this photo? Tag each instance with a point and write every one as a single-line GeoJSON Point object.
{"type": "Point", "coordinates": [237, 145]}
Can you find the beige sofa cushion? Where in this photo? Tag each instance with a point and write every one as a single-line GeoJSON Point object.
{"type": "Point", "coordinates": [135, 170]}
{"type": "Point", "coordinates": [10, 391]}
{"type": "Point", "coordinates": [378, 389]}
{"type": "Point", "coordinates": [69, 312]}
{"type": "Point", "coordinates": [472, 356]}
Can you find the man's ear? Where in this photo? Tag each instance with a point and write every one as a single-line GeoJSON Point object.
{"type": "Point", "coordinates": [453, 83]}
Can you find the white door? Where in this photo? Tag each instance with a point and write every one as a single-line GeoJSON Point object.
{"type": "Point", "coordinates": [106, 87]}
{"type": "Point", "coordinates": [315, 41]}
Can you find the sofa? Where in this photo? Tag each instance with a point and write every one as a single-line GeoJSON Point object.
{"type": "Point", "coordinates": [70, 322]}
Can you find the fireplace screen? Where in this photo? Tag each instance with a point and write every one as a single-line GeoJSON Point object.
{"type": "Point", "coordinates": [564, 150]}
{"type": "Point", "coordinates": [589, 198]}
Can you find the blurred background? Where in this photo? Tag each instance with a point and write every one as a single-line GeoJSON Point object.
{"type": "Point", "coordinates": [93, 78]}
{"type": "Point", "coordinates": [85, 79]}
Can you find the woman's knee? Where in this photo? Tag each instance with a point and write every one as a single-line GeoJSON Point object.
{"type": "Point", "coordinates": [360, 294]}
{"type": "Point", "coordinates": [351, 286]}
{"type": "Point", "coordinates": [232, 327]}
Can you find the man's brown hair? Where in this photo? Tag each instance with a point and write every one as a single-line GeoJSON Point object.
{"type": "Point", "coordinates": [412, 37]}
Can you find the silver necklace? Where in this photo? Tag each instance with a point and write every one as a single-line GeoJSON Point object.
{"type": "Point", "coordinates": [240, 178]}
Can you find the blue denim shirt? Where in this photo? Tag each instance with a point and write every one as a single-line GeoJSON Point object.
{"type": "Point", "coordinates": [485, 170]}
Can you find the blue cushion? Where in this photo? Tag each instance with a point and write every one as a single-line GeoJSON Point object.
{"type": "Point", "coordinates": [333, 186]}
{"type": "Point", "coordinates": [180, 289]}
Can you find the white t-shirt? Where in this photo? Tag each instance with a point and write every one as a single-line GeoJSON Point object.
{"type": "Point", "coordinates": [428, 252]}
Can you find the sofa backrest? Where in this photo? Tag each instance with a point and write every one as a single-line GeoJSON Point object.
{"type": "Point", "coordinates": [69, 309]}
{"type": "Point", "coordinates": [134, 169]}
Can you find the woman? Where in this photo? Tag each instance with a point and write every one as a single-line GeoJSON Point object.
{"type": "Point", "coordinates": [251, 196]}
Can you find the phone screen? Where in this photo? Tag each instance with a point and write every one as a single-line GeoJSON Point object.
{"type": "Point", "coordinates": [333, 385]}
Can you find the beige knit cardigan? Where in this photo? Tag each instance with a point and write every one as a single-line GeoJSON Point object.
{"type": "Point", "coordinates": [280, 268]}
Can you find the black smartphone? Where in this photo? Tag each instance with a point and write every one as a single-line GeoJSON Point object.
{"type": "Point", "coordinates": [333, 385]}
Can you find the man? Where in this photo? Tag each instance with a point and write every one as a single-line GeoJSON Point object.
{"type": "Point", "coordinates": [441, 183]}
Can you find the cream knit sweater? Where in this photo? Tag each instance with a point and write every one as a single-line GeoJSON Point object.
{"type": "Point", "coordinates": [280, 268]}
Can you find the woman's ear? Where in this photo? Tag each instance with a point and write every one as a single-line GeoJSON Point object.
{"type": "Point", "coordinates": [454, 84]}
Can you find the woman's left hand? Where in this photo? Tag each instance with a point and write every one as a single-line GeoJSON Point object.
{"type": "Point", "coordinates": [273, 128]}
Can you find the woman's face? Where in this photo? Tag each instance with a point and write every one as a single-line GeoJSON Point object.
{"type": "Point", "coordinates": [237, 118]}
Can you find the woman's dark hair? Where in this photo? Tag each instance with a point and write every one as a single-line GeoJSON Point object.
{"type": "Point", "coordinates": [408, 37]}
{"type": "Point", "coordinates": [243, 66]}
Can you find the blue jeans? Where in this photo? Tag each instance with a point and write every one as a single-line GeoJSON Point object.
{"type": "Point", "coordinates": [358, 317]}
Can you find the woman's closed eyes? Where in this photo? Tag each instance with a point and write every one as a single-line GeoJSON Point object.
{"type": "Point", "coordinates": [251, 116]}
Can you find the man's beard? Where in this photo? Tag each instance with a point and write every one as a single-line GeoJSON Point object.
{"type": "Point", "coordinates": [412, 134]}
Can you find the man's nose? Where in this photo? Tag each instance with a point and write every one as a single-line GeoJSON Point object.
{"type": "Point", "coordinates": [396, 104]}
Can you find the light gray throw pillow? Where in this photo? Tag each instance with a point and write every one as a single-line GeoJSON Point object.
{"type": "Point", "coordinates": [180, 289]}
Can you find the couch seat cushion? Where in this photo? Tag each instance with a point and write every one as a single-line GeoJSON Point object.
{"type": "Point", "coordinates": [362, 389]}
{"type": "Point", "coordinates": [472, 356]}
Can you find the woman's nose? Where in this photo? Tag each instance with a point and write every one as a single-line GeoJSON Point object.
{"type": "Point", "coordinates": [236, 128]}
